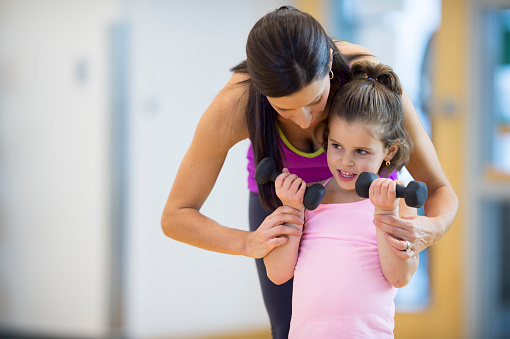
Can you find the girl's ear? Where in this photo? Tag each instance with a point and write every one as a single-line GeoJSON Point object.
{"type": "Point", "coordinates": [390, 152]}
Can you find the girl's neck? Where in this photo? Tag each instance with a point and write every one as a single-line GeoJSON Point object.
{"type": "Point", "coordinates": [337, 195]}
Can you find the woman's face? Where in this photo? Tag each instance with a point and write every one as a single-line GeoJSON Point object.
{"type": "Point", "coordinates": [304, 107]}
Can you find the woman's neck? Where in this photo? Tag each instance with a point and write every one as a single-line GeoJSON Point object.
{"type": "Point", "coordinates": [302, 139]}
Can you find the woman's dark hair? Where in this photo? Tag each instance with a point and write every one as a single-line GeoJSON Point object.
{"type": "Point", "coordinates": [286, 50]}
{"type": "Point", "coordinates": [372, 97]}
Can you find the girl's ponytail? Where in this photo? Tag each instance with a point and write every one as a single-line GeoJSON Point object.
{"type": "Point", "coordinates": [379, 73]}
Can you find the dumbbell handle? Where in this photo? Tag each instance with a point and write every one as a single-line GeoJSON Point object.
{"type": "Point", "coordinates": [414, 194]}
{"type": "Point", "coordinates": [266, 171]}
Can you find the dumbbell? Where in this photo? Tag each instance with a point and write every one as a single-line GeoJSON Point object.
{"type": "Point", "coordinates": [414, 194]}
{"type": "Point", "coordinates": [266, 171]}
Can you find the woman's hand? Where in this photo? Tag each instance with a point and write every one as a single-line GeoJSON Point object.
{"type": "Point", "coordinates": [420, 231]}
{"type": "Point", "coordinates": [273, 233]}
{"type": "Point", "coordinates": [290, 189]}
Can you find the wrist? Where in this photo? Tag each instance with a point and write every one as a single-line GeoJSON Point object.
{"type": "Point", "coordinates": [438, 228]}
{"type": "Point", "coordinates": [298, 206]}
{"type": "Point", "coordinates": [245, 247]}
{"type": "Point", "coordinates": [393, 211]}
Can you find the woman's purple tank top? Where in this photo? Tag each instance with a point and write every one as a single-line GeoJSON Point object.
{"type": "Point", "coordinates": [311, 167]}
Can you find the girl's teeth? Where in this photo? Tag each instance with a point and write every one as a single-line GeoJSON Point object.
{"type": "Point", "coordinates": [347, 175]}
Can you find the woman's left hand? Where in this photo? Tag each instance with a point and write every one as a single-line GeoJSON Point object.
{"type": "Point", "coordinates": [416, 232]}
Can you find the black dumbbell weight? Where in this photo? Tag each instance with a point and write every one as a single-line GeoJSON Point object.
{"type": "Point", "coordinates": [266, 171]}
{"type": "Point", "coordinates": [414, 194]}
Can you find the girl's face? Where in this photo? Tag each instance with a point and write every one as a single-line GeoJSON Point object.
{"type": "Point", "coordinates": [305, 107]}
{"type": "Point", "coordinates": [354, 148]}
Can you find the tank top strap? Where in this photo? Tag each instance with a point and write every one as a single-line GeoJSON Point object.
{"type": "Point", "coordinates": [290, 148]}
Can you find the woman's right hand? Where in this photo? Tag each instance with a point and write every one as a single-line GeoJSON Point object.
{"type": "Point", "coordinates": [273, 232]}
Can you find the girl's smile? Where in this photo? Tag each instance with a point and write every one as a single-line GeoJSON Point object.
{"type": "Point", "coordinates": [346, 176]}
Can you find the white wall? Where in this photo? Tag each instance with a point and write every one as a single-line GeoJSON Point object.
{"type": "Point", "coordinates": [181, 56]}
{"type": "Point", "coordinates": [54, 166]}
{"type": "Point", "coordinates": [56, 157]}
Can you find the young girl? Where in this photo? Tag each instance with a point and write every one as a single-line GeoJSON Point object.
{"type": "Point", "coordinates": [345, 272]}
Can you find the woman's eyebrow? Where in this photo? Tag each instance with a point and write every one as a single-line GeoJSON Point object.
{"type": "Point", "coordinates": [313, 102]}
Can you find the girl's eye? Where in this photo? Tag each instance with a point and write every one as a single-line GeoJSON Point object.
{"type": "Point", "coordinates": [336, 146]}
{"type": "Point", "coordinates": [362, 152]}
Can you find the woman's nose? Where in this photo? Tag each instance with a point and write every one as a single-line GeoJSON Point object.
{"type": "Point", "coordinates": [303, 117]}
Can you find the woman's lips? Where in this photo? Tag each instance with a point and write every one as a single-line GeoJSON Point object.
{"type": "Point", "coordinates": [315, 121]}
{"type": "Point", "coordinates": [346, 176]}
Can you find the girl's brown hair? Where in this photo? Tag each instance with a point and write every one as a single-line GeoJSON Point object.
{"type": "Point", "coordinates": [374, 97]}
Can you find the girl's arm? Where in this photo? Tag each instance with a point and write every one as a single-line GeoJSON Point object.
{"type": "Point", "coordinates": [281, 261]}
{"type": "Point", "coordinates": [397, 270]}
{"type": "Point", "coordinates": [442, 203]}
{"type": "Point", "coordinates": [222, 126]}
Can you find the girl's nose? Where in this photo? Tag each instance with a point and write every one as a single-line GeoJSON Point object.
{"type": "Point", "coordinates": [347, 160]}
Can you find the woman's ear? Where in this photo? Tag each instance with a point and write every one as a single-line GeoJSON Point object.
{"type": "Point", "coordinates": [330, 58]}
{"type": "Point", "coordinates": [390, 152]}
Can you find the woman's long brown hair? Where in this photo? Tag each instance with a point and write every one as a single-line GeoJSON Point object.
{"type": "Point", "coordinates": [286, 50]}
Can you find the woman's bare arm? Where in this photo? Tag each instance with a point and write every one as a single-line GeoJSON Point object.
{"type": "Point", "coordinates": [442, 203]}
{"type": "Point", "coordinates": [221, 127]}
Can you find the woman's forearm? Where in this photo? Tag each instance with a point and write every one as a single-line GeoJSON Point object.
{"type": "Point", "coordinates": [189, 226]}
{"type": "Point", "coordinates": [441, 207]}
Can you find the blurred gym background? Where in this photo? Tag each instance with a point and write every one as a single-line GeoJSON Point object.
{"type": "Point", "coordinates": [98, 104]}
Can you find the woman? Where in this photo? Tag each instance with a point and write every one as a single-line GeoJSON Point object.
{"type": "Point", "coordinates": [276, 98]}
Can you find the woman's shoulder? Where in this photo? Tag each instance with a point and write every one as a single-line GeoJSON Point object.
{"type": "Point", "coordinates": [348, 49]}
{"type": "Point", "coordinates": [226, 113]}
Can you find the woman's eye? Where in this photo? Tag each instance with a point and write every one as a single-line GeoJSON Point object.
{"type": "Point", "coordinates": [317, 102]}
